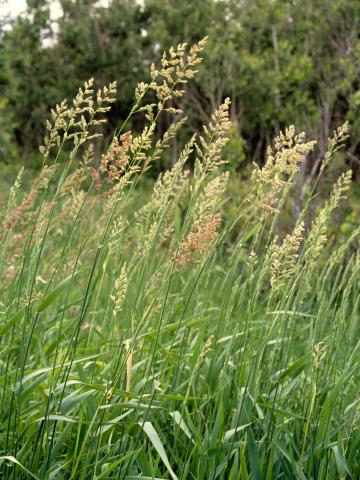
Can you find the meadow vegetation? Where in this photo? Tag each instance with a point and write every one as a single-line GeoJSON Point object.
{"type": "Point", "coordinates": [177, 334]}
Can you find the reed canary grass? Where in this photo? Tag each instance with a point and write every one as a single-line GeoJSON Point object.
{"type": "Point", "coordinates": [172, 331]}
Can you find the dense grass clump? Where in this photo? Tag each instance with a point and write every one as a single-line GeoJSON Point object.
{"type": "Point", "coordinates": [161, 336]}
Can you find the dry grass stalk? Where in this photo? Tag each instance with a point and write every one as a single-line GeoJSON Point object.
{"type": "Point", "coordinates": [211, 196]}
{"type": "Point", "coordinates": [199, 240]}
{"type": "Point", "coordinates": [284, 257]}
{"type": "Point", "coordinates": [75, 179]}
{"type": "Point", "coordinates": [120, 290]}
{"type": "Point", "coordinates": [282, 164]}
{"type": "Point", "coordinates": [317, 236]}
{"type": "Point", "coordinates": [164, 142]}
{"type": "Point", "coordinates": [115, 160]}
{"type": "Point", "coordinates": [213, 141]}
{"type": "Point", "coordinates": [129, 356]}
{"type": "Point", "coordinates": [74, 122]}
{"type": "Point", "coordinates": [25, 211]}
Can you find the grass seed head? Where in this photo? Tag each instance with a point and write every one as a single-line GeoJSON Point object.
{"type": "Point", "coordinates": [115, 160]}
{"type": "Point", "coordinates": [119, 290]}
{"type": "Point", "coordinates": [199, 240]}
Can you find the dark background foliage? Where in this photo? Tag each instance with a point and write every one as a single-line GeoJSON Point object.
{"type": "Point", "coordinates": [282, 62]}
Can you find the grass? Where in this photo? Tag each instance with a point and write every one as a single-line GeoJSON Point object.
{"type": "Point", "coordinates": [141, 339]}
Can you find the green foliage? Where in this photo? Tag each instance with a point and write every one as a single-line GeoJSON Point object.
{"type": "Point", "coordinates": [280, 62]}
{"type": "Point", "coordinates": [142, 337]}
{"type": "Point", "coordinates": [7, 140]}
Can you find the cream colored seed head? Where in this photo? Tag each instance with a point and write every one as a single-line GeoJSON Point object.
{"type": "Point", "coordinates": [120, 290]}
{"type": "Point", "coordinates": [199, 240]}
